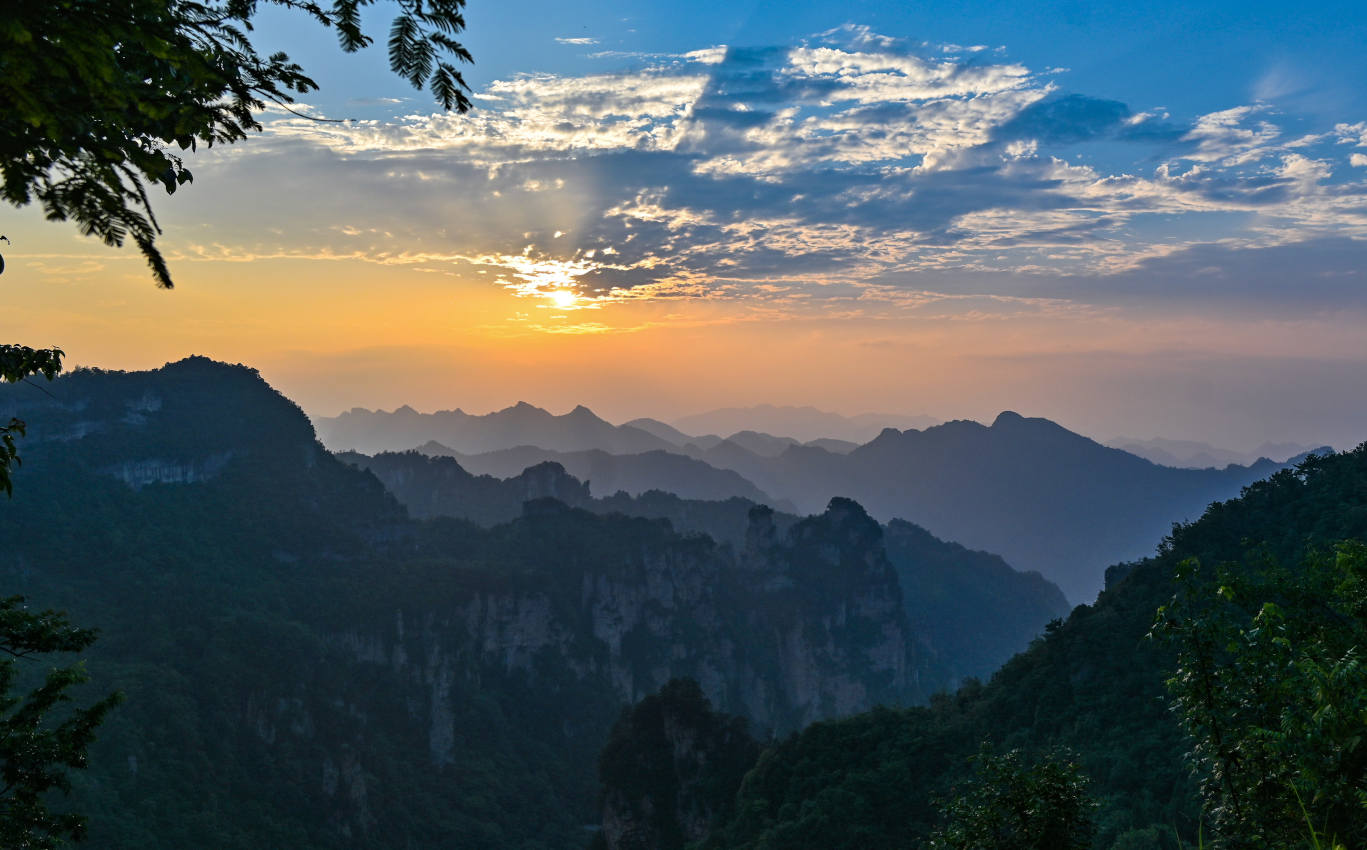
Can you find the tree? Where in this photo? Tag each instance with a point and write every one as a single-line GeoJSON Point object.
{"type": "Point", "coordinates": [1014, 805]}
{"type": "Point", "coordinates": [1271, 687]}
{"type": "Point", "coordinates": [94, 93]}
{"type": "Point", "coordinates": [39, 737]}
{"type": "Point", "coordinates": [670, 770]}
{"type": "Point", "coordinates": [19, 363]}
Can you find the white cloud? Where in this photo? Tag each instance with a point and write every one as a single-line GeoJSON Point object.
{"type": "Point", "coordinates": [1352, 134]}
{"type": "Point", "coordinates": [726, 172]}
{"type": "Point", "coordinates": [576, 40]}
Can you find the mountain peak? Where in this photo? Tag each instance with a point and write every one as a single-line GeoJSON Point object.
{"type": "Point", "coordinates": [841, 509]}
{"type": "Point", "coordinates": [1007, 418]}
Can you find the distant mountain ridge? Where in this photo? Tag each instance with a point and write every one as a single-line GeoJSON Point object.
{"type": "Point", "coordinates": [523, 424]}
{"type": "Point", "coordinates": [803, 424]}
{"type": "Point", "coordinates": [1192, 454]}
{"type": "Point", "coordinates": [1041, 496]}
{"type": "Point", "coordinates": [605, 473]}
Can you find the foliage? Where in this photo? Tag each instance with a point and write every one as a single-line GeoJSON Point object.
{"type": "Point", "coordinates": [861, 783]}
{"type": "Point", "coordinates": [95, 94]}
{"type": "Point", "coordinates": [18, 363]}
{"type": "Point", "coordinates": [1092, 684]}
{"type": "Point", "coordinates": [1013, 805]}
{"type": "Point", "coordinates": [671, 768]}
{"type": "Point", "coordinates": [39, 740]}
{"type": "Point", "coordinates": [1271, 686]}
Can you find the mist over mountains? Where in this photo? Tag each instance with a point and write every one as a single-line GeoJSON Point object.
{"type": "Point", "coordinates": [803, 424]}
{"type": "Point", "coordinates": [1194, 454]}
{"type": "Point", "coordinates": [1041, 496]}
{"type": "Point", "coordinates": [1044, 498]}
{"type": "Point", "coordinates": [369, 432]}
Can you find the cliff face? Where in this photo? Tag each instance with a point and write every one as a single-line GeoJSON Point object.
{"type": "Point", "coordinates": [773, 640]}
{"type": "Point", "coordinates": [293, 645]}
{"type": "Point", "coordinates": [967, 612]}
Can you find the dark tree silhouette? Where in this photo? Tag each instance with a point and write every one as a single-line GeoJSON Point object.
{"type": "Point", "coordinates": [40, 739]}
{"type": "Point", "coordinates": [95, 93]}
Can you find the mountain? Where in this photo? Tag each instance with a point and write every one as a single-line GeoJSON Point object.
{"type": "Point", "coordinates": [372, 431]}
{"type": "Point", "coordinates": [968, 611]}
{"type": "Point", "coordinates": [1094, 685]}
{"type": "Point", "coordinates": [307, 666]}
{"type": "Point", "coordinates": [663, 430]}
{"type": "Point", "coordinates": [764, 445]}
{"type": "Point", "coordinates": [834, 446]}
{"type": "Point", "coordinates": [1197, 455]}
{"type": "Point", "coordinates": [801, 423]}
{"type": "Point", "coordinates": [607, 473]}
{"type": "Point", "coordinates": [438, 486]}
{"type": "Point", "coordinates": [1044, 498]}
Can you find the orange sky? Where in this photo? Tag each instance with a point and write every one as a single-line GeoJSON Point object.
{"type": "Point", "coordinates": [333, 334]}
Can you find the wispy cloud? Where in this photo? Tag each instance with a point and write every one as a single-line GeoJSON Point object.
{"type": "Point", "coordinates": [847, 162]}
{"type": "Point", "coordinates": [576, 40]}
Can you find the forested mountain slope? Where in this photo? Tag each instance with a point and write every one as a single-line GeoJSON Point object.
{"type": "Point", "coordinates": [1093, 684]}
{"type": "Point", "coordinates": [306, 666]}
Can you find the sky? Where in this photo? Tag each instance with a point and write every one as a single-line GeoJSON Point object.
{"type": "Point", "coordinates": [1148, 219]}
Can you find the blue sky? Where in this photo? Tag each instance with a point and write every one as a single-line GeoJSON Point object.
{"type": "Point", "coordinates": [1189, 57]}
{"type": "Point", "coordinates": [880, 146]}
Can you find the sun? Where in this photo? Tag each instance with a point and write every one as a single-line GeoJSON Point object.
{"type": "Point", "coordinates": [564, 298]}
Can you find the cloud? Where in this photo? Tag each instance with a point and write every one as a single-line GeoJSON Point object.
{"type": "Point", "coordinates": [820, 169]}
{"type": "Point", "coordinates": [575, 40]}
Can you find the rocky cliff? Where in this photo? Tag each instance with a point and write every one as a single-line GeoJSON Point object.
{"type": "Point", "coordinates": [308, 667]}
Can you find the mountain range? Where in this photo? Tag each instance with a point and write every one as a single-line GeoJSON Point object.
{"type": "Point", "coordinates": [607, 473]}
{"type": "Point", "coordinates": [372, 431]}
{"type": "Point", "coordinates": [1193, 454]}
{"type": "Point", "coordinates": [1044, 498]}
{"type": "Point", "coordinates": [970, 611]}
{"type": "Point", "coordinates": [803, 424]}
{"type": "Point", "coordinates": [1092, 688]}
{"type": "Point", "coordinates": [307, 665]}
